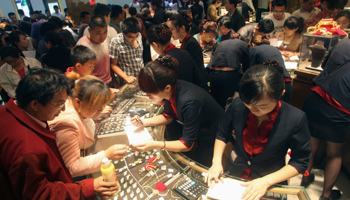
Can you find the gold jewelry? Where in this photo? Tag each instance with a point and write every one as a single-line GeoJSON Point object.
{"type": "Point", "coordinates": [154, 180]}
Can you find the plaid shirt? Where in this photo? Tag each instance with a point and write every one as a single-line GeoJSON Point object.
{"type": "Point", "coordinates": [129, 58]}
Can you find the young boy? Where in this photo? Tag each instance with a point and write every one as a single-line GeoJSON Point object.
{"type": "Point", "coordinates": [14, 69]}
{"type": "Point", "coordinates": [83, 59]}
{"type": "Point", "coordinates": [125, 51]}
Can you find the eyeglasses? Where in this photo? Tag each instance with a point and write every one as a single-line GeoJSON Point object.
{"type": "Point", "coordinates": [59, 107]}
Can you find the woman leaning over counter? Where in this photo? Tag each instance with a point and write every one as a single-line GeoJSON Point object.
{"type": "Point", "coordinates": [265, 128]}
{"type": "Point", "coordinates": [185, 102]}
{"type": "Point", "coordinates": [75, 127]}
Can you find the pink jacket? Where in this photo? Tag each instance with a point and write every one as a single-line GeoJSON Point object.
{"type": "Point", "coordinates": [73, 135]}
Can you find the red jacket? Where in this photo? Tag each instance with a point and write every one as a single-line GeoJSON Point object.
{"type": "Point", "coordinates": [30, 164]}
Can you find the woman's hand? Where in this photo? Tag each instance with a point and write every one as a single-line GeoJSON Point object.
{"type": "Point", "coordinates": [130, 79]}
{"type": "Point", "coordinates": [214, 172]}
{"type": "Point", "coordinates": [105, 189]}
{"type": "Point", "coordinates": [116, 152]}
{"type": "Point", "coordinates": [142, 147]}
{"type": "Point", "coordinates": [255, 189]}
{"type": "Point", "coordinates": [136, 121]}
{"type": "Point", "coordinates": [107, 110]}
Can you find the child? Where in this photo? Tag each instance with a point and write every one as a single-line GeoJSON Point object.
{"type": "Point", "coordinates": [83, 60]}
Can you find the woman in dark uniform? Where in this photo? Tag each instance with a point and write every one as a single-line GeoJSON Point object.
{"type": "Point", "coordinates": [158, 37]}
{"type": "Point", "coordinates": [264, 128]}
{"type": "Point", "coordinates": [328, 111]}
{"type": "Point", "coordinates": [261, 52]}
{"type": "Point", "coordinates": [180, 31]}
{"type": "Point", "coordinates": [229, 60]}
{"type": "Point", "coordinates": [183, 101]}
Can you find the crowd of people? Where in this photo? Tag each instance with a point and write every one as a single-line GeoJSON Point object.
{"type": "Point", "coordinates": [57, 77]}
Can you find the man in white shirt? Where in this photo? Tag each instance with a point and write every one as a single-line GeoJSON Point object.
{"type": "Point", "coordinates": [279, 14]}
{"type": "Point", "coordinates": [57, 13]}
{"type": "Point", "coordinates": [307, 10]}
{"type": "Point", "coordinates": [103, 10]}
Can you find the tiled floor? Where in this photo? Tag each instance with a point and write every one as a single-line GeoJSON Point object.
{"type": "Point", "coordinates": [315, 189]}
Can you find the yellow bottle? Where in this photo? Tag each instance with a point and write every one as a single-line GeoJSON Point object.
{"type": "Point", "coordinates": [108, 172]}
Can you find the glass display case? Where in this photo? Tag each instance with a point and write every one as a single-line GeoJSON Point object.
{"type": "Point", "coordinates": [178, 176]}
{"type": "Point", "coordinates": [314, 49]}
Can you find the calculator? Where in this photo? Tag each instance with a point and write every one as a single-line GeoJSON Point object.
{"type": "Point", "coordinates": [190, 190]}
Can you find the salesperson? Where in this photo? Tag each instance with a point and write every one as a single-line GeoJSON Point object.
{"type": "Point", "coordinates": [229, 60]}
{"type": "Point", "coordinates": [183, 101]}
{"type": "Point", "coordinates": [265, 128]}
{"type": "Point", "coordinates": [261, 51]}
{"type": "Point", "coordinates": [180, 31]}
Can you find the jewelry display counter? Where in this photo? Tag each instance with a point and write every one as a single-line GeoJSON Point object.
{"type": "Point", "coordinates": [157, 173]}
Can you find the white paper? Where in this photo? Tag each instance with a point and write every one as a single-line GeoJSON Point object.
{"type": "Point", "coordinates": [137, 135]}
{"type": "Point", "coordinates": [29, 54]}
{"type": "Point", "coordinates": [291, 65]}
{"type": "Point", "coordinates": [229, 190]}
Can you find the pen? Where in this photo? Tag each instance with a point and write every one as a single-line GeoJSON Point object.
{"type": "Point", "coordinates": [139, 121]}
{"type": "Point", "coordinates": [221, 175]}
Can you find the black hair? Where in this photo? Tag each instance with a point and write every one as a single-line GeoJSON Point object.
{"type": "Point", "coordinates": [132, 11]}
{"type": "Point", "coordinates": [40, 16]}
{"type": "Point", "coordinates": [102, 10]}
{"type": "Point", "coordinates": [145, 12]}
{"type": "Point", "coordinates": [47, 26]}
{"type": "Point", "coordinates": [1, 35]}
{"type": "Point", "coordinates": [266, 26]}
{"type": "Point", "coordinates": [65, 10]}
{"type": "Point", "coordinates": [259, 80]}
{"type": "Point", "coordinates": [183, 12]}
{"type": "Point", "coordinates": [9, 51]}
{"type": "Point", "coordinates": [47, 10]}
{"type": "Point", "coordinates": [214, 1]}
{"type": "Point", "coordinates": [11, 27]}
{"type": "Point", "coordinates": [235, 2]}
{"type": "Point", "coordinates": [226, 21]}
{"type": "Point", "coordinates": [116, 11]}
{"type": "Point", "coordinates": [14, 37]}
{"type": "Point", "coordinates": [81, 54]}
{"type": "Point", "coordinates": [53, 37]}
{"type": "Point", "coordinates": [170, 13]}
{"type": "Point", "coordinates": [66, 22]}
{"type": "Point", "coordinates": [280, 3]}
{"type": "Point", "coordinates": [157, 3]}
{"type": "Point", "coordinates": [97, 21]}
{"type": "Point", "coordinates": [56, 21]}
{"type": "Point", "coordinates": [32, 13]}
{"type": "Point", "coordinates": [41, 84]}
{"type": "Point", "coordinates": [160, 34]}
{"type": "Point", "coordinates": [294, 22]}
{"type": "Point", "coordinates": [4, 19]}
{"type": "Point", "coordinates": [55, 6]}
{"type": "Point", "coordinates": [83, 14]}
{"type": "Point", "coordinates": [344, 13]}
{"type": "Point", "coordinates": [10, 14]}
{"type": "Point", "coordinates": [180, 21]}
{"type": "Point", "coordinates": [26, 19]}
{"type": "Point", "coordinates": [37, 12]}
{"type": "Point", "coordinates": [20, 11]}
{"type": "Point", "coordinates": [331, 4]}
{"type": "Point", "coordinates": [156, 75]}
{"type": "Point", "coordinates": [130, 25]}
{"type": "Point", "coordinates": [145, 5]}
{"type": "Point", "coordinates": [126, 6]}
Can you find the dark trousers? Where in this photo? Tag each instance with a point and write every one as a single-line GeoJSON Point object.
{"type": "Point", "coordinates": [258, 14]}
{"type": "Point", "coordinates": [223, 85]}
{"type": "Point", "coordinates": [288, 93]}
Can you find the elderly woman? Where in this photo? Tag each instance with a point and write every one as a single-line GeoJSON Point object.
{"type": "Point", "coordinates": [75, 127]}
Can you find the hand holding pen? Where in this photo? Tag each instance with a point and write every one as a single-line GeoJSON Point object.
{"type": "Point", "coordinates": [136, 121]}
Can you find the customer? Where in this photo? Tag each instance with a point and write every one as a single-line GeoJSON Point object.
{"type": "Point", "coordinates": [225, 32]}
{"type": "Point", "coordinates": [265, 128]}
{"type": "Point", "coordinates": [308, 10]}
{"type": "Point", "coordinates": [237, 18]}
{"type": "Point", "coordinates": [183, 101]}
{"type": "Point", "coordinates": [19, 40]}
{"type": "Point", "coordinates": [57, 13]}
{"type": "Point", "coordinates": [159, 13]}
{"type": "Point", "coordinates": [264, 27]}
{"type": "Point", "coordinates": [35, 165]}
{"type": "Point", "coordinates": [329, 10]}
{"type": "Point", "coordinates": [207, 35]}
{"type": "Point", "coordinates": [227, 63]}
{"type": "Point", "coordinates": [343, 19]}
{"type": "Point", "coordinates": [117, 16]}
{"type": "Point", "coordinates": [328, 112]}
{"type": "Point", "coordinates": [97, 42]}
{"type": "Point", "coordinates": [14, 69]}
{"type": "Point", "coordinates": [125, 51]}
{"type": "Point", "coordinates": [291, 36]}
{"type": "Point", "coordinates": [84, 22]}
{"type": "Point", "coordinates": [279, 14]}
{"type": "Point", "coordinates": [75, 129]}
{"type": "Point", "coordinates": [212, 10]}
{"type": "Point", "coordinates": [261, 51]}
{"type": "Point", "coordinates": [83, 60]}
{"type": "Point", "coordinates": [58, 56]}
{"type": "Point", "coordinates": [180, 31]}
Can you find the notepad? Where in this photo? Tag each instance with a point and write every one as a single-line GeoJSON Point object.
{"type": "Point", "coordinates": [229, 190]}
{"type": "Point", "coordinates": [136, 135]}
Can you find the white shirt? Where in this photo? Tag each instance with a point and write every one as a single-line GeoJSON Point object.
{"type": "Point", "coordinates": [111, 33]}
{"type": "Point", "coordinates": [59, 15]}
{"type": "Point", "coordinates": [278, 23]}
{"type": "Point", "coordinates": [137, 6]}
{"type": "Point", "coordinates": [9, 77]}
